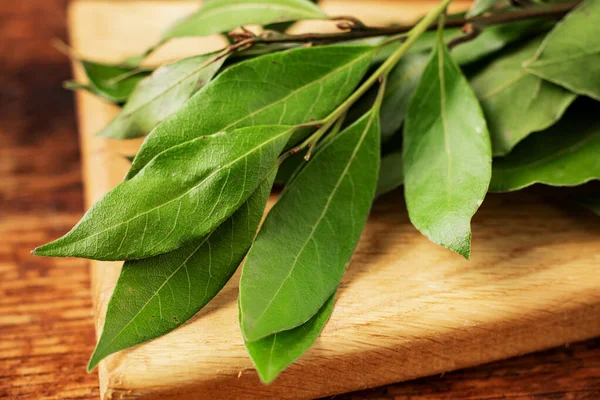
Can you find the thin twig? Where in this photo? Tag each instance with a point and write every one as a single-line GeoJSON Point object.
{"type": "Point", "coordinates": [471, 32]}
{"type": "Point", "coordinates": [550, 11]}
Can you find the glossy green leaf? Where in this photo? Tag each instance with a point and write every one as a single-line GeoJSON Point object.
{"type": "Point", "coordinates": [570, 54]}
{"type": "Point", "coordinates": [289, 167]}
{"type": "Point", "coordinates": [391, 173]}
{"type": "Point", "coordinates": [155, 295]}
{"type": "Point", "coordinates": [401, 84]}
{"type": "Point", "coordinates": [221, 16]}
{"type": "Point", "coordinates": [159, 95]}
{"type": "Point", "coordinates": [495, 38]}
{"type": "Point", "coordinates": [274, 353]}
{"type": "Point", "coordinates": [182, 195]}
{"type": "Point", "coordinates": [515, 102]}
{"type": "Point", "coordinates": [306, 241]}
{"type": "Point", "coordinates": [111, 82]}
{"type": "Point", "coordinates": [567, 154]}
{"type": "Point", "coordinates": [447, 154]}
{"type": "Point", "coordinates": [490, 41]}
{"type": "Point", "coordinates": [404, 78]}
{"type": "Point", "coordinates": [289, 87]}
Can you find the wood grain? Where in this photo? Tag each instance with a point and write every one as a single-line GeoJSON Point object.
{"type": "Point", "coordinates": [406, 307]}
{"type": "Point", "coordinates": [46, 328]}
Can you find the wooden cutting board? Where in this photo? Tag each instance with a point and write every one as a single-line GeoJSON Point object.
{"type": "Point", "coordinates": [406, 307]}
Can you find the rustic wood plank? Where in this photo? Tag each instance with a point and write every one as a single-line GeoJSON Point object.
{"type": "Point", "coordinates": [46, 326]}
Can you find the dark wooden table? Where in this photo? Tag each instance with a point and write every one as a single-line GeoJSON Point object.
{"type": "Point", "coordinates": [46, 332]}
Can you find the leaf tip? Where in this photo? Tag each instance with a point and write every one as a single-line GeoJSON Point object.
{"type": "Point", "coordinates": [462, 246]}
{"type": "Point", "coordinates": [52, 249]}
{"type": "Point", "coordinates": [267, 375]}
{"type": "Point", "coordinates": [466, 253]}
{"type": "Point", "coordinates": [97, 356]}
{"type": "Point", "coordinates": [93, 363]}
{"type": "Point", "coordinates": [41, 251]}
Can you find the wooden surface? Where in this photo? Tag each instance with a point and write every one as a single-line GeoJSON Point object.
{"type": "Point", "coordinates": [46, 328]}
{"type": "Point", "coordinates": [406, 308]}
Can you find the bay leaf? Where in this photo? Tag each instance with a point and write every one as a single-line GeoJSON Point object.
{"type": "Point", "coordinates": [447, 154]}
{"type": "Point", "coordinates": [401, 84]}
{"type": "Point", "coordinates": [160, 94]}
{"type": "Point", "coordinates": [290, 87]}
{"type": "Point", "coordinates": [390, 177]}
{"type": "Point", "coordinates": [490, 41]}
{"type": "Point", "coordinates": [567, 154]}
{"type": "Point", "coordinates": [271, 355]}
{"type": "Point", "coordinates": [391, 173]}
{"type": "Point", "coordinates": [570, 54]}
{"type": "Point", "coordinates": [155, 295]}
{"type": "Point", "coordinates": [111, 82]}
{"type": "Point", "coordinates": [288, 168]}
{"type": "Point", "coordinates": [222, 16]}
{"type": "Point", "coordinates": [481, 6]}
{"type": "Point", "coordinates": [405, 76]}
{"type": "Point", "coordinates": [515, 102]}
{"type": "Point", "coordinates": [182, 195]}
{"type": "Point", "coordinates": [307, 239]}
{"type": "Point", "coordinates": [495, 38]}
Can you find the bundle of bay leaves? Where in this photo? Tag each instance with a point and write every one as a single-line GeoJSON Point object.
{"type": "Point", "coordinates": [450, 115]}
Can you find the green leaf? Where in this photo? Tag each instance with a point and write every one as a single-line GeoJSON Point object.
{"type": "Point", "coordinates": [497, 37]}
{"type": "Point", "coordinates": [481, 6]}
{"type": "Point", "coordinates": [111, 82]}
{"type": "Point", "coordinates": [567, 154]}
{"type": "Point", "coordinates": [221, 16]}
{"type": "Point", "coordinates": [182, 195]}
{"type": "Point", "coordinates": [161, 94]}
{"type": "Point", "coordinates": [401, 84]}
{"type": "Point", "coordinates": [290, 87]}
{"type": "Point", "coordinates": [155, 295]}
{"type": "Point", "coordinates": [515, 102]}
{"type": "Point", "coordinates": [570, 54]}
{"type": "Point", "coordinates": [274, 353]}
{"type": "Point", "coordinates": [405, 76]}
{"type": "Point", "coordinates": [306, 241]}
{"type": "Point", "coordinates": [391, 173]}
{"type": "Point", "coordinates": [490, 41]}
{"type": "Point", "coordinates": [288, 168]}
{"type": "Point", "coordinates": [447, 155]}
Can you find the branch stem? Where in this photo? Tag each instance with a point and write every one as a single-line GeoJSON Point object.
{"type": "Point", "coordinates": [379, 75]}
{"type": "Point", "coordinates": [547, 11]}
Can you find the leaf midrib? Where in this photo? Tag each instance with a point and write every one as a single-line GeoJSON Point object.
{"type": "Point", "coordinates": [129, 113]}
{"type": "Point", "coordinates": [184, 263]}
{"type": "Point", "coordinates": [407, 74]}
{"type": "Point", "coordinates": [136, 169]}
{"type": "Point", "coordinates": [542, 63]}
{"type": "Point", "coordinates": [298, 90]}
{"type": "Point", "coordinates": [504, 86]}
{"type": "Point", "coordinates": [325, 209]}
{"type": "Point", "coordinates": [441, 56]}
{"type": "Point", "coordinates": [156, 293]}
{"type": "Point", "coordinates": [193, 187]}
{"type": "Point", "coordinates": [553, 156]}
